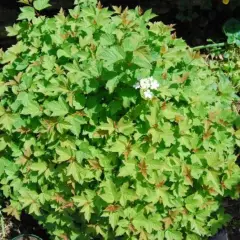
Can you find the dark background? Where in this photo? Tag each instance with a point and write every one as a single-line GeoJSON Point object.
{"type": "Point", "coordinates": [196, 20]}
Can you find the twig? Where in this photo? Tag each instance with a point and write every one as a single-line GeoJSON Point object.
{"type": "Point", "coordinates": [213, 45]}
{"type": "Point", "coordinates": [2, 225]}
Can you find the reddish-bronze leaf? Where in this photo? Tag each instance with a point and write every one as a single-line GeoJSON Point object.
{"type": "Point", "coordinates": [140, 10]}
{"type": "Point", "coordinates": [112, 208]}
{"type": "Point", "coordinates": [164, 75]}
{"type": "Point", "coordinates": [132, 228]}
{"type": "Point", "coordinates": [64, 237]}
{"type": "Point", "coordinates": [187, 174]}
{"type": "Point", "coordinates": [23, 130]}
{"type": "Point", "coordinates": [68, 205]}
{"type": "Point", "coordinates": [59, 70]}
{"type": "Point", "coordinates": [99, 5]}
{"type": "Point", "coordinates": [179, 118]}
{"type": "Point", "coordinates": [164, 106]}
{"type": "Point", "coordinates": [143, 235]}
{"type": "Point", "coordinates": [183, 78]}
{"type": "Point", "coordinates": [207, 134]}
{"type": "Point", "coordinates": [143, 168]}
{"type": "Point", "coordinates": [59, 199]}
{"type": "Point", "coordinates": [167, 222]}
{"type": "Point", "coordinates": [95, 164]}
{"type": "Point", "coordinates": [174, 36]}
{"type": "Point", "coordinates": [160, 184]}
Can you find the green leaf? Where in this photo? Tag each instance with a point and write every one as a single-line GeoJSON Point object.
{"type": "Point", "coordinates": [87, 210]}
{"type": "Point", "coordinates": [2, 110]}
{"type": "Point", "coordinates": [192, 237]}
{"type": "Point", "coordinates": [84, 152]}
{"type": "Point", "coordinates": [75, 12]}
{"type": "Point", "coordinates": [129, 169]}
{"type": "Point", "coordinates": [112, 83]}
{"type": "Point", "coordinates": [153, 117]}
{"type": "Point", "coordinates": [127, 194]}
{"type": "Point", "coordinates": [75, 123]}
{"type": "Point", "coordinates": [214, 160]}
{"type": "Point", "coordinates": [41, 4]}
{"type": "Point", "coordinates": [132, 43]}
{"type": "Point", "coordinates": [26, 13]}
{"type": "Point", "coordinates": [56, 108]}
{"type": "Point", "coordinates": [32, 108]}
{"type": "Point", "coordinates": [237, 134]}
{"type": "Point", "coordinates": [75, 68]}
{"type": "Point", "coordinates": [193, 202]}
{"type": "Point", "coordinates": [140, 221]}
{"type": "Point", "coordinates": [114, 219]}
{"type": "Point", "coordinates": [164, 196]}
{"type": "Point", "coordinates": [79, 101]}
{"type": "Point", "coordinates": [110, 194]}
{"type": "Point", "coordinates": [107, 39]}
{"type": "Point", "coordinates": [148, 15]}
{"type": "Point", "coordinates": [13, 30]}
{"type": "Point", "coordinates": [63, 125]}
{"type": "Point", "coordinates": [167, 135]}
{"type": "Point", "coordinates": [173, 235]}
{"type": "Point", "coordinates": [112, 55]}
{"type": "Point", "coordinates": [64, 154]}
{"type": "Point", "coordinates": [85, 3]}
{"type": "Point", "coordinates": [141, 57]}
{"type": "Point", "coordinates": [3, 88]}
{"type": "Point", "coordinates": [156, 135]}
{"type": "Point", "coordinates": [40, 167]}
{"type": "Point", "coordinates": [3, 144]}
{"type": "Point", "coordinates": [64, 53]}
{"type": "Point", "coordinates": [24, 1]}
{"type": "Point", "coordinates": [12, 211]}
{"type": "Point", "coordinates": [197, 227]}
{"type": "Point", "coordinates": [212, 180]}
{"type": "Point", "coordinates": [137, 151]}
{"type": "Point", "coordinates": [108, 126]}
{"type": "Point", "coordinates": [48, 62]}
{"type": "Point", "coordinates": [125, 127]}
{"type": "Point", "coordinates": [76, 171]}
{"type": "Point", "coordinates": [7, 121]}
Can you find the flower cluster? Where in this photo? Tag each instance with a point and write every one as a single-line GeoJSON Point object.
{"type": "Point", "coordinates": [147, 84]}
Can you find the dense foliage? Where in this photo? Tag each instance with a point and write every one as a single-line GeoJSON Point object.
{"type": "Point", "coordinates": [226, 62]}
{"type": "Point", "coordinates": [223, 58]}
{"type": "Point", "coordinates": [112, 126]}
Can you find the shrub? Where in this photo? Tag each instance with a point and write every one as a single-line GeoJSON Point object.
{"type": "Point", "coordinates": [111, 126]}
{"type": "Point", "coordinates": [224, 57]}
{"type": "Point", "coordinates": [228, 65]}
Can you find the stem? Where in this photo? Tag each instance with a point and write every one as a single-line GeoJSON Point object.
{"type": "Point", "coordinates": [2, 225]}
{"type": "Point", "coordinates": [213, 45]}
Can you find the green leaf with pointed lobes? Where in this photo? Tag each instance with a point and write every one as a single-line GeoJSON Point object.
{"type": "Point", "coordinates": [41, 4]}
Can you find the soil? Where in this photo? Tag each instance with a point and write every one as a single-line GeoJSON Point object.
{"type": "Point", "coordinates": [26, 225]}
{"type": "Point", "coordinates": [232, 207]}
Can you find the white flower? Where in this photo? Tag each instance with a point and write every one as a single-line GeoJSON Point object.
{"type": "Point", "coordinates": [148, 94]}
{"type": "Point", "coordinates": [136, 85]}
{"type": "Point", "coordinates": [151, 79]}
{"type": "Point", "coordinates": [145, 83]}
{"type": "Point", "coordinates": [154, 84]}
